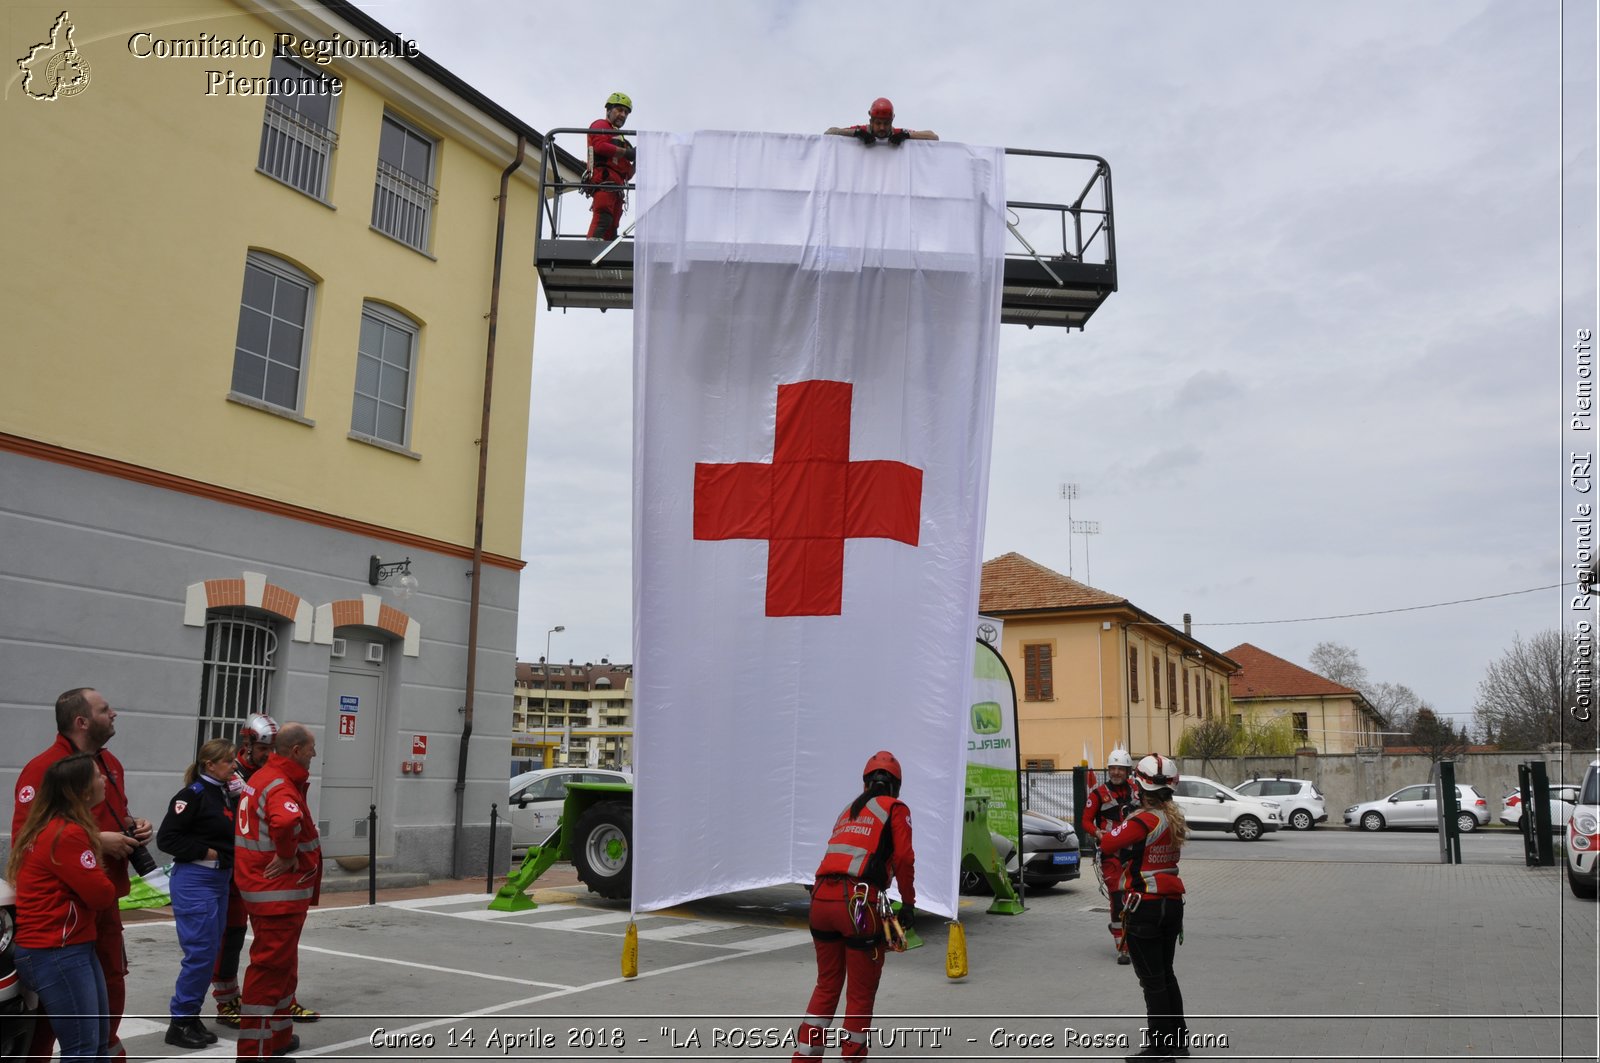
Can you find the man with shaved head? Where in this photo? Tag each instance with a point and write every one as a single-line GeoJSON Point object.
{"type": "Point", "coordinates": [278, 866]}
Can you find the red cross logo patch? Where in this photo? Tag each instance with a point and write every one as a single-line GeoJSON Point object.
{"type": "Point", "coordinates": [808, 500]}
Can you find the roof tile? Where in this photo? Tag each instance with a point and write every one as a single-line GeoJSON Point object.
{"type": "Point", "coordinates": [1263, 675]}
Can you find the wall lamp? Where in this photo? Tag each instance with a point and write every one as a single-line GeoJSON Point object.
{"type": "Point", "coordinates": [378, 572]}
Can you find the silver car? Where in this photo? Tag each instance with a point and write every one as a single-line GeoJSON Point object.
{"type": "Point", "coordinates": [1418, 806]}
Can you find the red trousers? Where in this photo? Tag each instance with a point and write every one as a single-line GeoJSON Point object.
{"type": "Point", "coordinates": [225, 975]}
{"type": "Point", "coordinates": [265, 1024]}
{"type": "Point", "coordinates": [1111, 874]}
{"type": "Point", "coordinates": [108, 946]}
{"type": "Point", "coordinates": [845, 965]}
{"type": "Point", "coordinates": [606, 212]}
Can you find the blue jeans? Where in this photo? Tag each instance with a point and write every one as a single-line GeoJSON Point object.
{"type": "Point", "coordinates": [200, 908]}
{"type": "Point", "coordinates": [72, 991]}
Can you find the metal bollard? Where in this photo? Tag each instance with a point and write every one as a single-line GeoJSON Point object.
{"type": "Point", "coordinates": [494, 824]}
{"type": "Point", "coordinates": [372, 854]}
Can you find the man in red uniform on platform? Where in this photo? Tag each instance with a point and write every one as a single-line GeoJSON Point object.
{"type": "Point", "coordinates": [870, 844]}
{"type": "Point", "coordinates": [85, 722]}
{"type": "Point", "coordinates": [1105, 808]}
{"type": "Point", "coordinates": [610, 167]}
{"type": "Point", "coordinates": [880, 126]}
{"type": "Point", "coordinates": [277, 861]}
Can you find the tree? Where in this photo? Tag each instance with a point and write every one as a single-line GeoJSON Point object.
{"type": "Point", "coordinates": [1340, 663]}
{"type": "Point", "coordinates": [1213, 738]}
{"type": "Point", "coordinates": [1527, 697]}
{"type": "Point", "coordinates": [1396, 703]}
{"type": "Point", "coordinates": [1434, 736]}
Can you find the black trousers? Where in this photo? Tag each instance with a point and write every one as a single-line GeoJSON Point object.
{"type": "Point", "coordinates": [1153, 929]}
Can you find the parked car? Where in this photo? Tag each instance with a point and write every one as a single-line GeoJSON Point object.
{"type": "Point", "coordinates": [536, 796]}
{"type": "Point", "coordinates": [1209, 805]}
{"type": "Point", "coordinates": [1418, 806]}
{"type": "Point", "coordinates": [1300, 803]}
{"type": "Point", "coordinates": [1583, 836]}
{"type": "Point", "coordinates": [17, 1005]}
{"type": "Point", "coordinates": [1563, 799]}
{"type": "Point", "coordinates": [1049, 851]}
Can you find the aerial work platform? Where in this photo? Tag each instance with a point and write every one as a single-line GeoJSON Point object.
{"type": "Point", "coordinates": [1060, 259]}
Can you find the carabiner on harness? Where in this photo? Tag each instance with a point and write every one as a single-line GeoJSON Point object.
{"type": "Point", "coordinates": [861, 908]}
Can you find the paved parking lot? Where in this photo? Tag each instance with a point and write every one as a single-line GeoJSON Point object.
{"type": "Point", "coordinates": [1309, 958]}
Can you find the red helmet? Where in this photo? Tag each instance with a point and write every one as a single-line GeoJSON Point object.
{"type": "Point", "coordinates": [881, 108]}
{"type": "Point", "coordinates": [883, 760]}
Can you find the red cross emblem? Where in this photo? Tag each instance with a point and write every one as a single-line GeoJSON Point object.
{"type": "Point", "coordinates": [808, 500]}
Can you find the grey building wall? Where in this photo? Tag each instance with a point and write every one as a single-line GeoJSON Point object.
{"type": "Point", "coordinates": [94, 571]}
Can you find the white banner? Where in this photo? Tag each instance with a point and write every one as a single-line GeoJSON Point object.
{"type": "Point", "coordinates": [815, 336]}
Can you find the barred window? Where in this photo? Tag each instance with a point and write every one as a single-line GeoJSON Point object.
{"type": "Point", "coordinates": [297, 137]}
{"type": "Point", "coordinates": [236, 676]}
{"type": "Point", "coordinates": [402, 203]}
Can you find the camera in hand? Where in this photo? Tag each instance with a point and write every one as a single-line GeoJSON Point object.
{"type": "Point", "coordinates": [140, 857]}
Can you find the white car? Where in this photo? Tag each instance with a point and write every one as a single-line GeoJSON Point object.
{"type": "Point", "coordinates": [1583, 836]}
{"type": "Point", "coordinates": [1563, 799]}
{"type": "Point", "coordinates": [1209, 805]}
{"type": "Point", "coordinates": [1418, 806]}
{"type": "Point", "coordinates": [536, 798]}
{"type": "Point", "coordinates": [1300, 803]}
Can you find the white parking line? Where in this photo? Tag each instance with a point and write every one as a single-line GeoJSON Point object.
{"type": "Point", "coordinates": [581, 921]}
{"type": "Point", "coordinates": [432, 967]}
{"type": "Point", "coordinates": [684, 928]}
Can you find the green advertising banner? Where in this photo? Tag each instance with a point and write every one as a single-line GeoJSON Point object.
{"type": "Point", "coordinates": [992, 735]}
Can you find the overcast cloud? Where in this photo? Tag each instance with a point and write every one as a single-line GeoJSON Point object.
{"type": "Point", "coordinates": [1330, 382]}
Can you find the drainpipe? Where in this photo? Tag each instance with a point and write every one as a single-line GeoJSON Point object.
{"type": "Point", "coordinates": [477, 524]}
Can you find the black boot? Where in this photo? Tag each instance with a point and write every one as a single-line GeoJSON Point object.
{"type": "Point", "coordinates": [183, 1034]}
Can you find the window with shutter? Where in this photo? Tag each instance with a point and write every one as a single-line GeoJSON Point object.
{"type": "Point", "coordinates": [1036, 672]}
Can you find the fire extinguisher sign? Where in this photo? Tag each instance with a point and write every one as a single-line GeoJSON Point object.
{"type": "Point", "coordinates": [419, 745]}
{"type": "Point", "coordinates": [347, 725]}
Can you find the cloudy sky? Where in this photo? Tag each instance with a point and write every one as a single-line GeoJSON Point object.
{"type": "Point", "coordinates": [1330, 382]}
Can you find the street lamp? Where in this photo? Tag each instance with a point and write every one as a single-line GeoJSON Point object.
{"type": "Point", "coordinates": [547, 635]}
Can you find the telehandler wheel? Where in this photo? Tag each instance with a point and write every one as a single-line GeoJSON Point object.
{"type": "Point", "coordinates": [602, 849]}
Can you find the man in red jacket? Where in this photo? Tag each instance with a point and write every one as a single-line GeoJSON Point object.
{"type": "Point", "coordinates": [610, 167]}
{"type": "Point", "coordinates": [277, 861]}
{"type": "Point", "coordinates": [256, 737]}
{"type": "Point", "coordinates": [85, 722]}
{"type": "Point", "coordinates": [1103, 811]}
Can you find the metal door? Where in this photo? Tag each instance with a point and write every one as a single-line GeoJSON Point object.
{"type": "Point", "coordinates": [349, 749]}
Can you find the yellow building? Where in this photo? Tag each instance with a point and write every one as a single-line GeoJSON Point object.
{"type": "Point", "coordinates": [247, 361]}
{"type": "Point", "coordinates": [1093, 671]}
{"type": "Point", "coordinates": [1324, 715]}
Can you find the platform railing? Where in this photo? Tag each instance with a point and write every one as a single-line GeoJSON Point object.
{"type": "Point", "coordinates": [1084, 223]}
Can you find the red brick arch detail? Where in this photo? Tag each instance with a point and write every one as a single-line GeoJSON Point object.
{"type": "Point", "coordinates": [274, 599]}
{"type": "Point", "coordinates": [352, 612]}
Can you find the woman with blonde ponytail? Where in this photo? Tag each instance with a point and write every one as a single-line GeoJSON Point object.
{"type": "Point", "coordinates": [1148, 843]}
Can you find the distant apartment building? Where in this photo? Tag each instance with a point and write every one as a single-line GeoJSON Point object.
{"type": "Point", "coordinates": [572, 714]}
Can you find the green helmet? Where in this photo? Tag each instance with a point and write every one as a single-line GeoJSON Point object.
{"type": "Point", "coordinates": [620, 99]}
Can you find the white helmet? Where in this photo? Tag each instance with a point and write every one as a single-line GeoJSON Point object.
{"type": "Point", "coordinates": [1119, 758]}
{"type": "Point", "coordinates": [259, 727]}
{"type": "Point", "coordinates": [1156, 772]}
